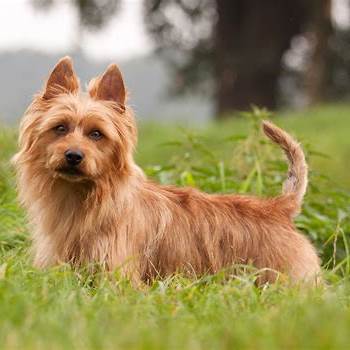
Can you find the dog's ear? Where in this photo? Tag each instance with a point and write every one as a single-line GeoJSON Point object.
{"type": "Point", "coordinates": [109, 87]}
{"type": "Point", "coordinates": [62, 79]}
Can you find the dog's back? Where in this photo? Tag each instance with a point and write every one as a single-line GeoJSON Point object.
{"type": "Point", "coordinates": [199, 233]}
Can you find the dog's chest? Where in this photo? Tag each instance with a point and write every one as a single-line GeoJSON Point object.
{"type": "Point", "coordinates": [93, 241]}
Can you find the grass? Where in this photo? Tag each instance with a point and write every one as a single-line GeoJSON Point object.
{"type": "Point", "coordinates": [325, 129]}
{"type": "Point", "coordinates": [60, 308]}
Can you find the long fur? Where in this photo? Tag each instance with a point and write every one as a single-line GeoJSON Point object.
{"type": "Point", "coordinates": [117, 217]}
{"type": "Point", "coordinates": [296, 182]}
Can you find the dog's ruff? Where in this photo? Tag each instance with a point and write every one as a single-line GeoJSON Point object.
{"type": "Point", "coordinates": [114, 216]}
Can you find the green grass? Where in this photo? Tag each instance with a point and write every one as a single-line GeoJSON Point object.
{"type": "Point", "coordinates": [60, 308]}
{"type": "Point", "coordinates": [325, 129]}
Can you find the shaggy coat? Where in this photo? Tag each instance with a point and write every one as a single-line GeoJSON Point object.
{"type": "Point", "coordinates": [106, 211]}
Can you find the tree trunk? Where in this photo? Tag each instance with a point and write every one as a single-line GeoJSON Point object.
{"type": "Point", "coordinates": [321, 29]}
{"type": "Point", "coordinates": [251, 38]}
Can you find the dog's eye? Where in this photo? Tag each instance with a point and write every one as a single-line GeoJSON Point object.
{"type": "Point", "coordinates": [61, 129]}
{"type": "Point", "coordinates": [95, 135]}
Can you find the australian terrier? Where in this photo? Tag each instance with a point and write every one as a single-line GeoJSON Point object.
{"type": "Point", "coordinates": [88, 202]}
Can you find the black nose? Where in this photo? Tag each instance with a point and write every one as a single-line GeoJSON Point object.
{"type": "Point", "coordinates": [73, 157]}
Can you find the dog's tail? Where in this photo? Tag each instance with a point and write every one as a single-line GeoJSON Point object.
{"type": "Point", "coordinates": [296, 182]}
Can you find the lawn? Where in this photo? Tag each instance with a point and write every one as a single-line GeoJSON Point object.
{"type": "Point", "coordinates": [60, 308]}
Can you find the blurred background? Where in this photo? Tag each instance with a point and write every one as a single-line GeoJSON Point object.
{"type": "Point", "coordinates": [191, 60]}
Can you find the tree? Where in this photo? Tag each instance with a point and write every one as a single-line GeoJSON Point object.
{"type": "Point", "coordinates": [320, 33]}
{"type": "Point", "coordinates": [237, 44]}
{"type": "Point", "coordinates": [325, 73]}
{"type": "Point", "coordinates": [93, 14]}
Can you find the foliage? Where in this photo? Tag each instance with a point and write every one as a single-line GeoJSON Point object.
{"type": "Point", "coordinates": [93, 14]}
{"type": "Point", "coordinates": [184, 33]}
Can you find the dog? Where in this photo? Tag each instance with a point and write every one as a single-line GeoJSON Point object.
{"type": "Point", "coordinates": [88, 202]}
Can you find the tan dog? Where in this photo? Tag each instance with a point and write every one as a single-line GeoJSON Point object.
{"type": "Point", "coordinates": [89, 202]}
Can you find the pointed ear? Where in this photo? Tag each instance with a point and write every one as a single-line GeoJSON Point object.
{"type": "Point", "coordinates": [110, 86]}
{"type": "Point", "coordinates": [62, 79]}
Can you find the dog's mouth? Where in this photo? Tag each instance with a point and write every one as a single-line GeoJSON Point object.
{"type": "Point", "coordinates": [70, 172]}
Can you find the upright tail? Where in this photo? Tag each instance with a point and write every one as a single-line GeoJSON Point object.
{"type": "Point", "coordinates": [296, 182]}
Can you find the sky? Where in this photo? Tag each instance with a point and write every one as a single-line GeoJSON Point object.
{"type": "Point", "coordinates": [22, 27]}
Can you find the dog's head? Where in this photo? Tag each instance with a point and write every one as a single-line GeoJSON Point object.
{"type": "Point", "coordinates": [75, 136]}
